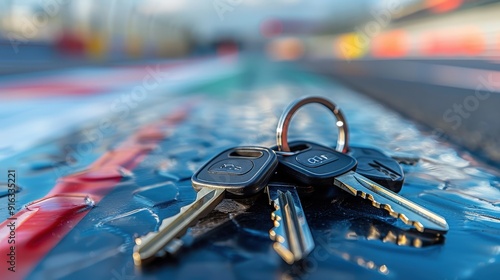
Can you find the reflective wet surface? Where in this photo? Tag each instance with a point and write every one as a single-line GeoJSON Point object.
{"type": "Point", "coordinates": [353, 239]}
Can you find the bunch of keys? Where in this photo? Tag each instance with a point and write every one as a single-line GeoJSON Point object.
{"type": "Point", "coordinates": [245, 171]}
{"type": "Point", "coordinates": [311, 164]}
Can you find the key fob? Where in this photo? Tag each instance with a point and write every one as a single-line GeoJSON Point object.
{"type": "Point", "coordinates": [378, 167]}
{"type": "Point", "coordinates": [240, 171]}
{"type": "Point", "coordinates": [314, 165]}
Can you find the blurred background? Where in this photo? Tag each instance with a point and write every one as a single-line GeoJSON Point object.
{"type": "Point", "coordinates": [434, 61]}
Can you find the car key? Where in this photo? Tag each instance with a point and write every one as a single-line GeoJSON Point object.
{"type": "Point", "coordinates": [291, 233]}
{"type": "Point", "coordinates": [378, 167]}
{"type": "Point", "coordinates": [241, 171]}
{"type": "Point", "coordinates": [313, 164]}
{"type": "Point", "coordinates": [372, 163]}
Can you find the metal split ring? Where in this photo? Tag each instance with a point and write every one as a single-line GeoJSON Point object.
{"type": "Point", "coordinates": [286, 117]}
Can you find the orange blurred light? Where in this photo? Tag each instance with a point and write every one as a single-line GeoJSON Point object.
{"type": "Point", "coordinates": [443, 6]}
{"type": "Point", "coordinates": [285, 49]}
{"type": "Point", "coordinates": [448, 42]}
{"type": "Point", "coordinates": [473, 41]}
{"type": "Point", "coordinates": [391, 44]}
{"type": "Point", "coordinates": [498, 44]}
{"type": "Point", "coordinates": [428, 44]}
{"type": "Point", "coordinates": [459, 41]}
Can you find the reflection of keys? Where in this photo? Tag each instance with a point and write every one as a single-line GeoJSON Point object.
{"type": "Point", "coordinates": [241, 171]}
{"type": "Point", "coordinates": [377, 230]}
{"type": "Point", "coordinates": [316, 165]}
{"type": "Point", "coordinates": [292, 236]}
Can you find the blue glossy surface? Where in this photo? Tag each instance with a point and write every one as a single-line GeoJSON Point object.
{"type": "Point", "coordinates": [353, 239]}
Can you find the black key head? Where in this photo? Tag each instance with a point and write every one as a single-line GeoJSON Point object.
{"type": "Point", "coordinates": [378, 167]}
{"type": "Point", "coordinates": [241, 170]}
{"type": "Point", "coordinates": [312, 164]}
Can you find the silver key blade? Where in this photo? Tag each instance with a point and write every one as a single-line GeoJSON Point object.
{"type": "Point", "coordinates": [166, 238]}
{"type": "Point", "coordinates": [398, 207]}
{"type": "Point", "coordinates": [291, 233]}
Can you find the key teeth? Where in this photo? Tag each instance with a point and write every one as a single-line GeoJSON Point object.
{"type": "Point", "coordinates": [171, 249]}
{"type": "Point", "coordinates": [279, 239]}
{"type": "Point", "coordinates": [417, 225]}
{"type": "Point", "coordinates": [433, 222]}
{"type": "Point", "coordinates": [284, 244]}
{"type": "Point", "coordinates": [284, 252]}
{"type": "Point", "coordinates": [276, 217]}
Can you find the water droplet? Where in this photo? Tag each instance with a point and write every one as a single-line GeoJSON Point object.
{"type": "Point", "coordinates": [105, 173]}
{"type": "Point", "coordinates": [63, 202]}
{"type": "Point", "coordinates": [176, 175]}
{"type": "Point", "coordinates": [138, 221]}
{"type": "Point", "coordinates": [89, 201]}
{"type": "Point", "coordinates": [158, 194]}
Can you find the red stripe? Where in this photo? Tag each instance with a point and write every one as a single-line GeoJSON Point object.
{"type": "Point", "coordinates": [61, 85]}
{"type": "Point", "coordinates": [43, 223]}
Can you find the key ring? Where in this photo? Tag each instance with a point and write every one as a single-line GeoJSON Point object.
{"type": "Point", "coordinates": [286, 117]}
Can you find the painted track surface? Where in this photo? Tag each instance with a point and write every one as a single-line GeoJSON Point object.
{"type": "Point", "coordinates": [239, 105]}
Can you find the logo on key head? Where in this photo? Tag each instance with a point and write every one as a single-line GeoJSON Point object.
{"type": "Point", "coordinates": [229, 167]}
{"type": "Point", "coordinates": [317, 159]}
